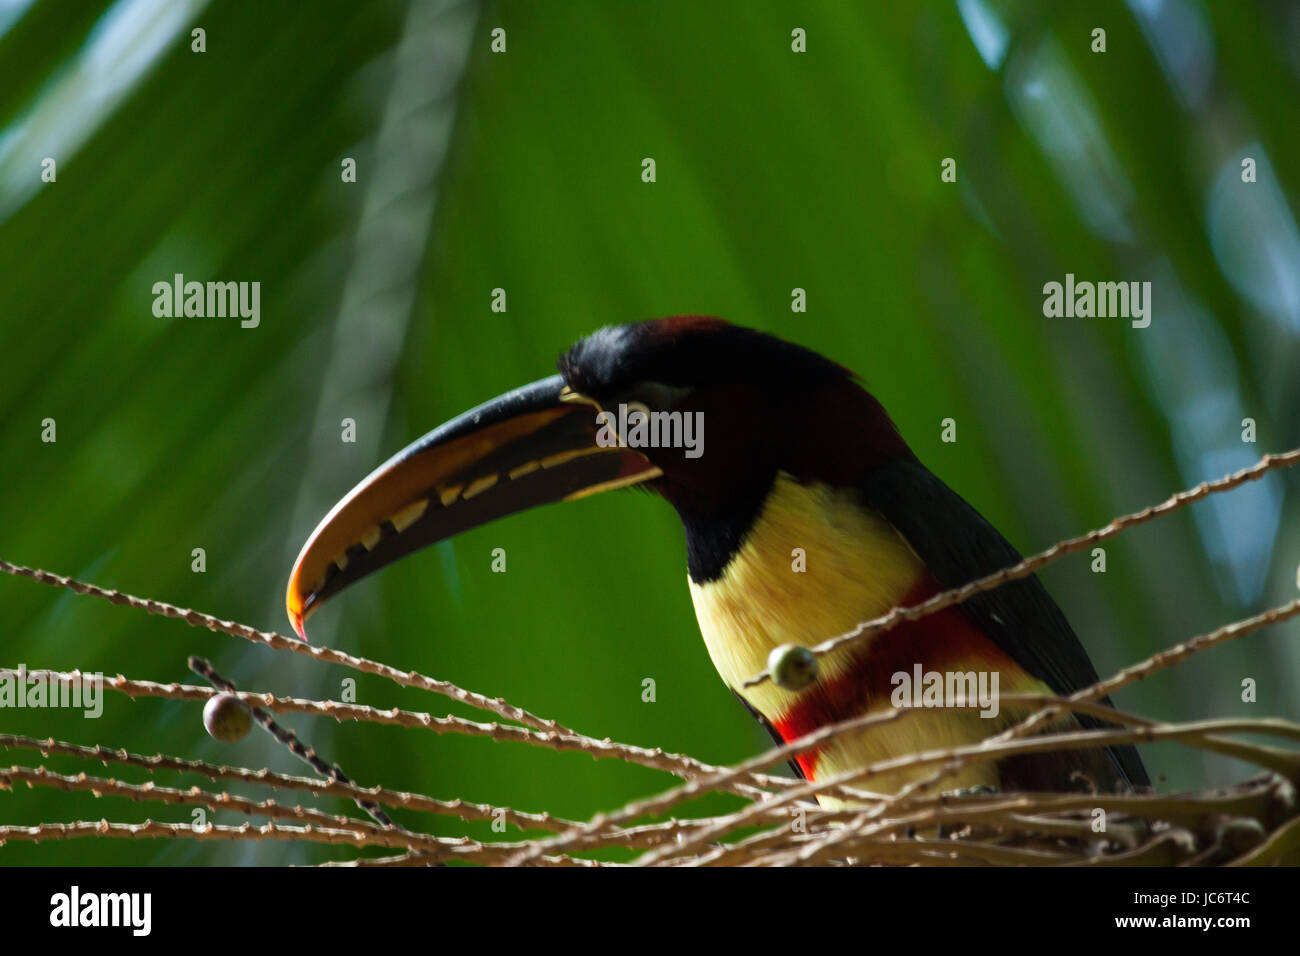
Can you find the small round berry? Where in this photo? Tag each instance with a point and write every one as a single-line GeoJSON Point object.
{"type": "Point", "coordinates": [793, 666]}
{"type": "Point", "coordinates": [226, 718]}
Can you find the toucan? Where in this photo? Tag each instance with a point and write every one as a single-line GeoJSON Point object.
{"type": "Point", "coordinates": [804, 512]}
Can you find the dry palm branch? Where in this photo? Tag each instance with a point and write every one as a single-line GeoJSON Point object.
{"type": "Point", "coordinates": [781, 822]}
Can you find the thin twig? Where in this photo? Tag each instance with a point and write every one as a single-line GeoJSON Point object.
{"type": "Point", "coordinates": [744, 784]}
{"type": "Point", "coordinates": [281, 643]}
{"type": "Point", "coordinates": [393, 798]}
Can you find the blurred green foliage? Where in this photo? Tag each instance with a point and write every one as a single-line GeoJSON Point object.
{"type": "Point", "coordinates": [521, 171]}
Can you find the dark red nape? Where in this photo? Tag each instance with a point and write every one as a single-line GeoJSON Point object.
{"type": "Point", "coordinates": [673, 327]}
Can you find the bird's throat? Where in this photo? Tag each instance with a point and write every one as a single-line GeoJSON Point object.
{"type": "Point", "coordinates": [814, 563]}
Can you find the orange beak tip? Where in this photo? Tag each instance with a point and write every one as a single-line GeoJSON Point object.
{"type": "Point", "coordinates": [299, 625]}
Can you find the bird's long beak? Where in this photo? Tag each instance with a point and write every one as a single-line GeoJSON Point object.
{"type": "Point", "coordinates": [529, 447]}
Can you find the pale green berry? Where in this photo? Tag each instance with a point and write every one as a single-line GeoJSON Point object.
{"type": "Point", "coordinates": [793, 666]}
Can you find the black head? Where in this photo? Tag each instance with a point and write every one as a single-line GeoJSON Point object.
{"type": "Point", "coordinates": [761, 406]}
{"type": "Point", "coordinates": [689, 351]}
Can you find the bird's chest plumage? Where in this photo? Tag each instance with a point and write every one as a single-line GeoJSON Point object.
{"type": "Point", "coordinates": [815, 564]}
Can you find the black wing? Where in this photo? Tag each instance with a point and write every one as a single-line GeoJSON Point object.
{"type": "Point", "coordinates": [958, 546]}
